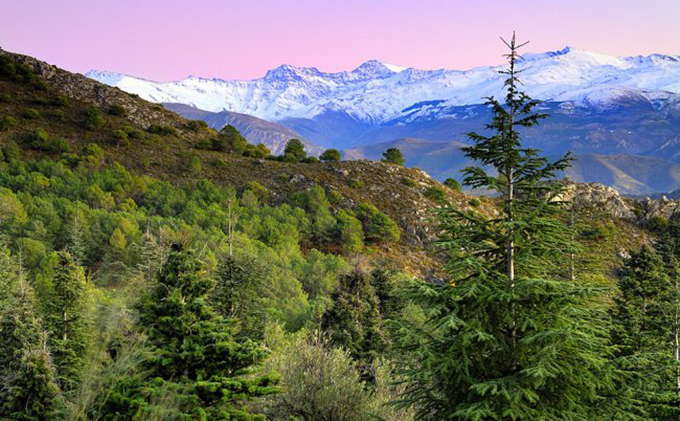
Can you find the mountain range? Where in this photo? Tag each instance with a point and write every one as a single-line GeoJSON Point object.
{"type": "Point", "coordinates": [602, 107]}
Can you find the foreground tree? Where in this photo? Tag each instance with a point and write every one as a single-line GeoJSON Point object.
{"type": "Point", "coordinates": [645, 321]}
{"type": "Point", "coordinates": [294, 151]}
{"type": "Point", "coordinates": [509, 337]}
{"type": "Point", "coordinates": [27, 376]}
{"type": "Point", "coordinates": [66, 319]}
{"type": "Point", "coordinates": [193, 352]}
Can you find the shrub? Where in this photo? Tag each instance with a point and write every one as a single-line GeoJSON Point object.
{"type": "Point", "coordinates": [117, 110]}
{"type": "Point", "coordinates": [378, 227]}
{"type": "Point", "coordinates": [310, 160]}
{"type": "Point", "coordinates": [409, 182]}
{"type": "Point", "coordinates": [132, 132]}
{"type": "Point", "coordinates": [12, 151]}
{"type": "Point", "coordinates": [39, 139]}
{"type": "Point", "coordinates": [393, 156]}
{"type": "Point", "coordinates": [59, 100]}
{"type": "Point", "coordinates": [31, 114]}
{"type": "Point", "coordinates": [58, 145]}
{"type": "Point", "coordinates": [436, 194]}
{"type": "Point", "coordinates": [658, 223]}
{"type": "Point", "coordinates": [59, 115]}
{"type": "Point", "coordinates": [5, 97]}
{"type": "Point", "coordinates": [319, 382]}
{"type": "Point", "coordinates": [356, 183]}
{"type": "Point", "coordinates": [7, 122]}
{"type": "Point", "coordinates": [259, 151]}
{"type": "Point", "coordinates": [195, 164]}
{"type": "Point", "coordinates": [258, 189]}
{"type": "Point", "coordinates": [453, 184]}
{"type": "Point", "coordinates": [196, 125]}
{"type": "Point", "coordinates": [93, 118]}
{"type": "Point", "coordinates": [120, 138]}
{"type": "Point", "coordinates": [474, 202]}
{"type": "Point", "coordinates": [330, 155]}
{"type": "Point", "coordinates": [161, 130]}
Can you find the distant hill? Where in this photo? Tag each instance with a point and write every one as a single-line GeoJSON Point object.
{"type": "Point", "coordinates": [630, 174]}
{"type": "Point", "coordinates": [256, 130]}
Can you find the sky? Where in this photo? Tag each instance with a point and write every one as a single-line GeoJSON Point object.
{"type": "Point", "coordinates": [170, 39]}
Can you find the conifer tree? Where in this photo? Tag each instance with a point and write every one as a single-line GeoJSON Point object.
{"type": "Point", "coordinates": [193, 347]}
{"type": "Point", "coordinates": [66, 319]}
{"type": "Point", "coordinates": [508, 337]}
{"type": "Point", "coordinates": [354, 320]}
{"type": "Point", "coordinates": [645, 319]}
{"type": "Point", "coordinates": [27, 376]}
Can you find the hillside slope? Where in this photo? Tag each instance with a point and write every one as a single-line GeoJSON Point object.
{"type": "Point", "coordinates": [161, 144]}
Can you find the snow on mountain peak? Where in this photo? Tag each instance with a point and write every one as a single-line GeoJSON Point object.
{"type": "Point", "coordinates": [376, 91]}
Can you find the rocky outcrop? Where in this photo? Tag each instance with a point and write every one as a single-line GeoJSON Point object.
{"type": "Point", "coordinates": [608, 199]}
{"type": "Point", "coordinates": [598, 196]}
{"type": "Point", "coordinates": [79, 87]}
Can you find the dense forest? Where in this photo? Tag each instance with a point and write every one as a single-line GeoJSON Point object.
{"type": "Point", "coordinates": [129, 292]}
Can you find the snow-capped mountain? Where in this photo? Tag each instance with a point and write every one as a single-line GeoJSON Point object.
{"type": "Point", "coordinates": [623, 110]}
{"type": "Point", "coordinates": [376, 92]}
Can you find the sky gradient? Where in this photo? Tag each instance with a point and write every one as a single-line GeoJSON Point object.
{"type": "Point", "coordinates": [171, 39]}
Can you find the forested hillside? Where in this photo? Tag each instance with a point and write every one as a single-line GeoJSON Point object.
{"type": "Point", "coordinates": [153, 268]}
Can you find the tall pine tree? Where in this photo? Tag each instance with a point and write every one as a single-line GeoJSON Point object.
{"type": "Point", "coordinates": [67, 319]}
{"type": "Point", "coordinates": [645, 319]}
{"type": "Point", "coordinates": [27, 377]}
{"type": "Point", "coordinates": [192, 348]}
{"type": "Point", "coordinates": [509, 337]}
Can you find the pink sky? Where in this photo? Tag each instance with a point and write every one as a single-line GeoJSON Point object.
{"type": "Point", "coordinates": [170, 39]}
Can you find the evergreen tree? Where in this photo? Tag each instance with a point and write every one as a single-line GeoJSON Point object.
{"type": "Point", "coordinates": [295, 150]}
{"type": "Point", "coordinates": [354, 320]}
{"type": "Point", "coordinates": [27, 377]}
{"type": "Point", "coordinates": [66, 319]}
{"type": "Point", "coordinates": [240, 295]}
{"type": "Point", "coordinates": [645, 319]}
{"type": "Point", "coordinates": [508, 337]}
{"type": "Point", "coordinates": [393, 156]}
{"type": "Point", "coordinates": [193, 347]}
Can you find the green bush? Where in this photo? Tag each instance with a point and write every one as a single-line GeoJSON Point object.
{"type": "Point", "coordinates": [93, 118]}
{"type": "Point", "coordinates": [258, 189]}
{"type": "Point", "coordinates": [58, 145]}
{"type": "Point", "coordinates": [120, 138]}
{"type": "Point", "coordinates": [132, 133]}
{"type": "Point", "coordinates": [59, 100]}
{"type": "Point", "coordinates": [436, 194]}
{"type": "Point", "coordinates": [31, 114]}
{"type": "Point", "coordinates": [378, 227]}
{"type": "Point", "coordinates": [259, 151]}
{"type": "Point", "coordinates": [409, 182]}
{"type": "Point", "coordinates": [310, 160]}
{"type": "Point", "coordinates": [195, 165]}
{"type": "Point", "coordinates": [39, 139]}
{"type": "Point", "coordinates": [453, 184]}
{"type": "Point", "coordinates": [356, 183]}
{"type": "Point", "coordinates": [5, 97]}
{"type": "Point", "coordinates": [161, 130]}
{"type": "Point", "coordinates": [196, 125]}
{"type": "Point", "coordinates": [7, 122]}
{"type": "Point", "coordinates": [474, 202]}
{"type": "Point", "coordinates": [658, 223]}
{"type": "Point", "coordinates": [330, 155]}
{"type": "Point", "coordinates": [117, 110]}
